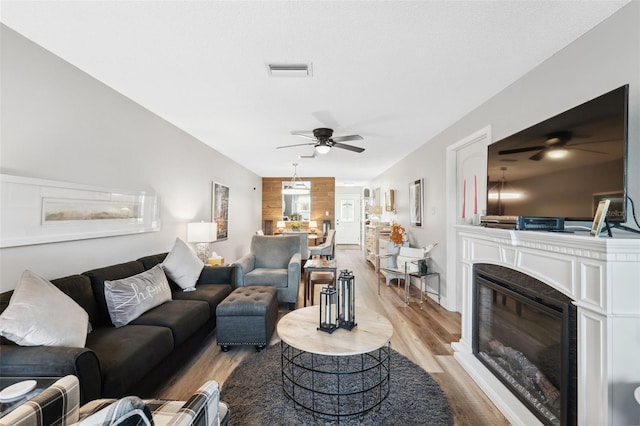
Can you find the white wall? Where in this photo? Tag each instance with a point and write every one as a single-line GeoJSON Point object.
{"type": "Point", "coordinates": [59, 123]}
{"type": "Point", "coordinates": [603, 59]}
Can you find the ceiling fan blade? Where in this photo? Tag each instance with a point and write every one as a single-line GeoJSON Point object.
{"type": "Point", "coordinates": [304, 135]}
{"type": "Point", "coordinates": [588, 150]}
{"type": "Point", "coordinates": [538, 156]}
{"type": "Point", "coordinates": [348, 138]}
{"type": "Point", "coordinates": [298, 144]}
{"type": "Point", "coordinates": [348, 147]}
{"type": "Point", "coordinates": [517, 150]}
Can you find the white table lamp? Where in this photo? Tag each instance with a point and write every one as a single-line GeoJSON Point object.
{"type": "Point", "coordinates": [201, 234]}
{"type": "Point", "coordinates": [313, 225]}
{"type": "Point", "coordinates": [281, 225]}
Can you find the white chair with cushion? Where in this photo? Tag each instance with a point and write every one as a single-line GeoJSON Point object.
{"type": "Point", "coordinates": [397, 266]}
{"type": "Point", "coordinates": [326, 249]}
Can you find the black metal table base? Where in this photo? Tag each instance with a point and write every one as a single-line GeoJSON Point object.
{"type": "Point", "coordinates": [336, 387]}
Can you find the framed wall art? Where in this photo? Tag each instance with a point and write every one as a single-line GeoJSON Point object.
{"type": "Point", "coordinates": [389, 200]}
{"type": "Point", "coordinates": [416, 202]}
{"type": "Point", "coordinates": [220, 209]}
{"type": "Point", "coordinates": [39, 211]}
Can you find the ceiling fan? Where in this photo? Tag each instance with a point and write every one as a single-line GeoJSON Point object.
{"type": "Point", "coordinates": [323, 141]}
{"type": "Point", "coordinates": [555, 146]}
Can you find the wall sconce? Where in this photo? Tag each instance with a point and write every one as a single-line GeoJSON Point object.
{"type": "Point", "coordinates": [346, 300]}
{"type": "Point", "coordinates": [328, 309]}
{"type": "Point", "coordinates": [313, 226]}
{"type": "Point", "coordinates": [281, 225]}
{"type": "Point", "coordinates": [202, 233]}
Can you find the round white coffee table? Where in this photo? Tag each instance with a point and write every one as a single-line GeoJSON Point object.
{"type": "Point", "coordinates": [342, 374]}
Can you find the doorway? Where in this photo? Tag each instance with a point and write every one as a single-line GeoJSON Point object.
{"type": "Point", "coordinates": [348, 218]}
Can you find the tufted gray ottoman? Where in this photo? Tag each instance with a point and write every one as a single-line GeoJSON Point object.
{"type": "Point", "coordinates": [247, 317]}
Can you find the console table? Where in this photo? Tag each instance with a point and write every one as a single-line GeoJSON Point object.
{"type": "Point", "coordinates": [338, 375]}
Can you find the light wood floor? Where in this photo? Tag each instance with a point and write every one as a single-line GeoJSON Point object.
{"type": "Point", "coordinates": [424, 336]}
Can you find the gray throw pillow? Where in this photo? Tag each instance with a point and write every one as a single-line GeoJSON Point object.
{"type": "Point", "coordinates": [183, 266]}
{"type": "Point", "coordinates": [39, 313]}
{"type": "Point", "coordinates": [131, 297]}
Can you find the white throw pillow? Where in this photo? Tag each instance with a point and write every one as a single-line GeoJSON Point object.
{"type": "Point", "coordinates": [131, 297]}
{"type": "Point", "coordinates": [183, 266]}
{"type": "Point", "coordinates": [40, 314]}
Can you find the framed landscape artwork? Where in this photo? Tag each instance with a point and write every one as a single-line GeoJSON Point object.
{"type": "Point", "coordinates": [39, 211]}
{"type": "Point", "coordinates": [220, 209]}
{"type": "Point", "coordinates": [416, 202]}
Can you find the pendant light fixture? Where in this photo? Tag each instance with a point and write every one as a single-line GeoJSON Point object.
{"type": "Point", "coordinates": [296, 186]}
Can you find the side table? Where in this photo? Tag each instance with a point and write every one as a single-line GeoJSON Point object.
{"type": "Point", "coordinates": [317, 265]}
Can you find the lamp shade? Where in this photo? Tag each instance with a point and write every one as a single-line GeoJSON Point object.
{"type": "Point", "coordinates": [313, 224]}
{"type": "Point", "coordinates": [280, 224]}
{"type": "Point", "coordinates": [202, 232]}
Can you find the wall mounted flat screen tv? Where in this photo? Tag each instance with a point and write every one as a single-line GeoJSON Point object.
{"type": "Point", "coordinates": [564, 166]}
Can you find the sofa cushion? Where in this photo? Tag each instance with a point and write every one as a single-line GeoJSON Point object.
{"type": "Point", "coordinates": [131, 297]}
{"type": "Point", "coordinates": [113, 272]}
{"type": "Point", "coordinates": [265, 276]}
{"type": "Point", "coordinates": [182, 265]}
{"type": "Point", "coordinates": [128, 353]}
{"type": "Point", "coordinates": [150, 261]}
{"type": "Point", "coordinates": [213, 294]}
{"type": "Point", "coordinates": [40, 314]}
{"type": "Point", "coordinates": [183, 317]}
{"type": "Point", "coordinates": [78, 287]}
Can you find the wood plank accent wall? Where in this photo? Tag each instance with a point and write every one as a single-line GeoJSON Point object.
{"type": "Point", "coordinates": [323, 198]}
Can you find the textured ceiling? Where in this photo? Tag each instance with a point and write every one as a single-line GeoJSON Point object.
{"type": "Point", "coordinates": [395, 72]}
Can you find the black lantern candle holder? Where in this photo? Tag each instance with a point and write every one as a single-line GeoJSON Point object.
{"type": "Point", "coordinates": [328, 309]}
{"type": "Point", "coordinates": [346, 300]}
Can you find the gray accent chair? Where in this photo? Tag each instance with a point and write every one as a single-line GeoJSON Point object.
{"type": "Point", "coordinates": [274, 261]}
{"type": "Point", "coordinates": [304, 243]}
{"type": "Point", "coordinates": [326, 249]}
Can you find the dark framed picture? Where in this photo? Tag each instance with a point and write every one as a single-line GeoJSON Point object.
{"type": "Point", "coordinates": [598, 219]}
{"type": "Point", "coordinates": [416, 202]}
{"type": "Point", "coordinates": [220, 209]}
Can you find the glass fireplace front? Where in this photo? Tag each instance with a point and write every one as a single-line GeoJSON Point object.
{"type": "Point", "coordinates": [525, 334]}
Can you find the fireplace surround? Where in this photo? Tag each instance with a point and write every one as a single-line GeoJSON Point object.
{"type": "Point", "coordinates": [600, 277]}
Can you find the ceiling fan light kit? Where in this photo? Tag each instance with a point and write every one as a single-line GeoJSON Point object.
{"type": "Point", "coordinates": [323, 148]}
{"type": "Point", "coordinates": [324, 141]}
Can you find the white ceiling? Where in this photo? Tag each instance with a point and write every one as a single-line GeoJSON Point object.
{"type": "Point", "coordinates": [395, 72]}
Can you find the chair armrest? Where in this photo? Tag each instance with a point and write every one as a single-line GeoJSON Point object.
{"type": "Point", "coordinates": [54, 361]}
{"type": "Point", "coordinates": [245, 264]}
{"type": "Point", "coordinates": [57, 404]}
{"type": "Point", "coordinates": [293, 271]}
{"type": "Point", "coordinates": [218, 275]}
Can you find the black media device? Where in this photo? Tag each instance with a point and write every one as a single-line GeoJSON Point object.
{"type": "Point", "coordinates": [523, 223]}
{"type": "Point", "coordinates": [563, 166]}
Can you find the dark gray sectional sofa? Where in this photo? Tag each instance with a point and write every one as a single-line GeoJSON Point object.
{"type": "Point", "coordinates": [130, 360]}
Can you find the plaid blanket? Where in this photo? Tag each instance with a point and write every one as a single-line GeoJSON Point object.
{"type": "Point", "coordinates": [59, 405]}
{"type": "Point", "coordinates": [201, 409]}
{"type": "Point", "coordinates": [56, 405]}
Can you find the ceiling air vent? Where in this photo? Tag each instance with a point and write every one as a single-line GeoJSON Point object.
{"type": "Point", "coordinates": [290, 70]}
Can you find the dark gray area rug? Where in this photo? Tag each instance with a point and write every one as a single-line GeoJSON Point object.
{"type": "Point", "coordinates": [255, 396]}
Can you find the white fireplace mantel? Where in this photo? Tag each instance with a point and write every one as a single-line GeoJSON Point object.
{"type": "Point", "coordinates": [602, 277]}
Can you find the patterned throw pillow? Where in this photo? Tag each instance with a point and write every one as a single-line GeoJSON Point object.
{"type": "Point", "coordinates": [39, 313]}
{"type": "Point", "coordinates": [183, 266]}
{"type": "Point", "coordinates": [131, 297]}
